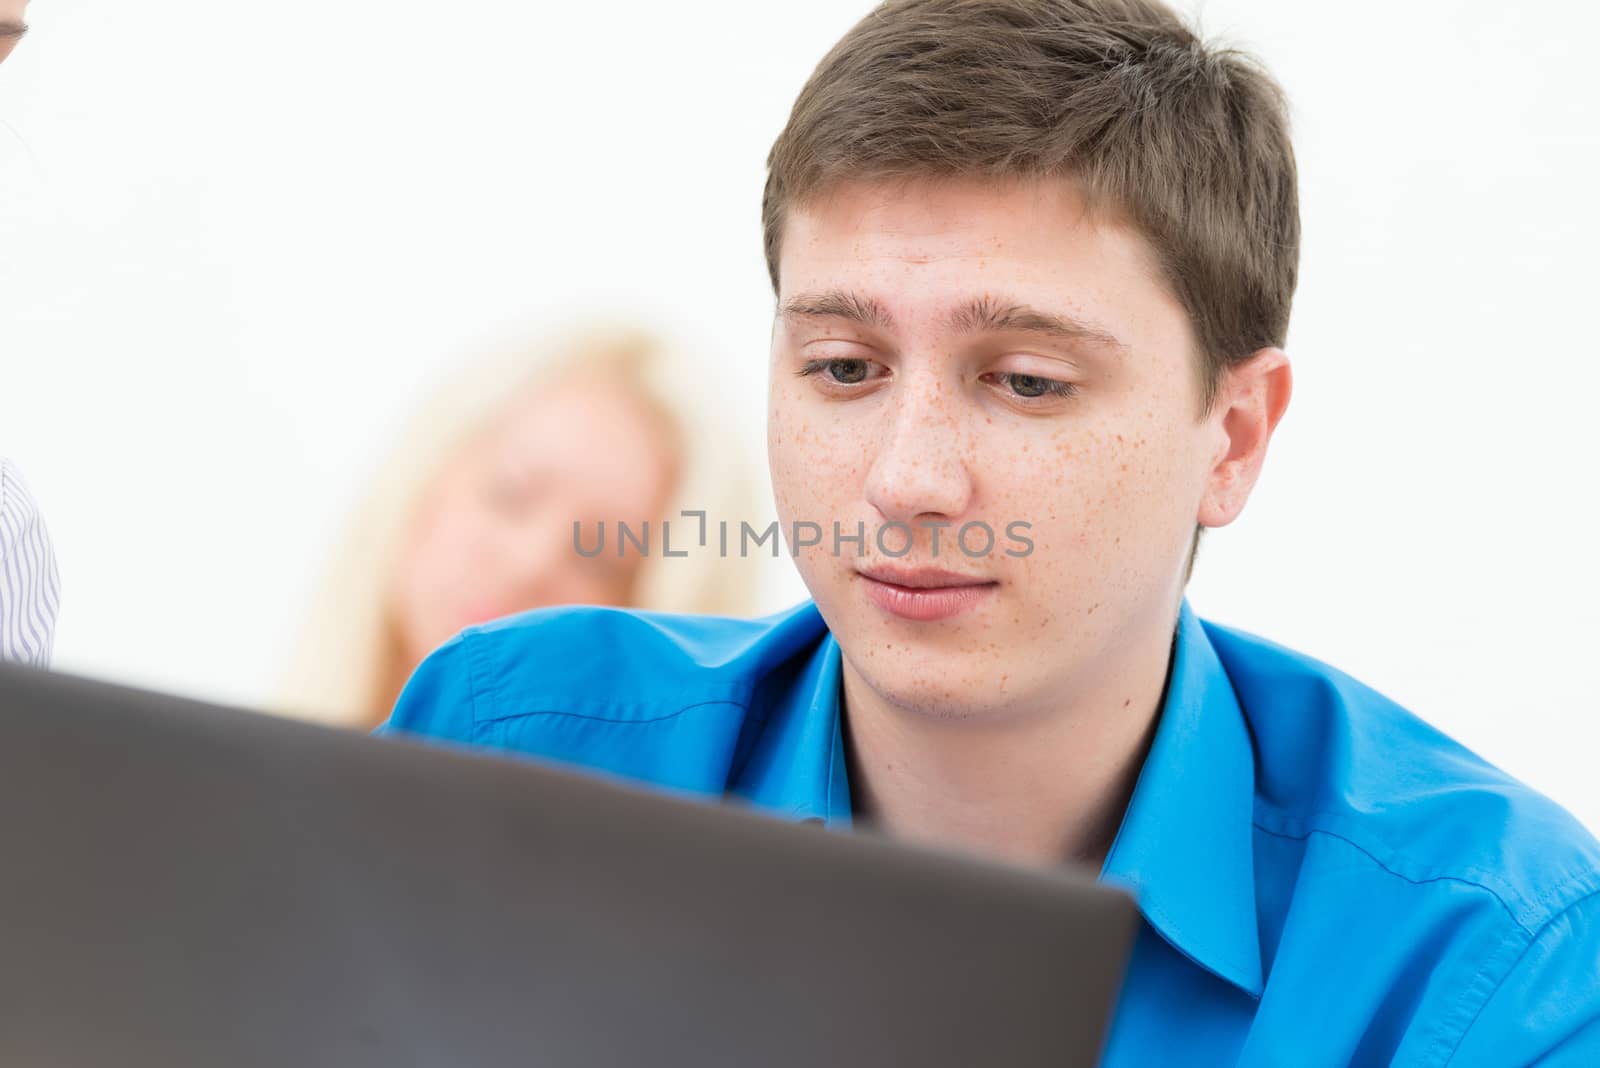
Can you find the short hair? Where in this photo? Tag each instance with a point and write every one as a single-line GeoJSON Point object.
{"type": "Point", "coordinates": [1186, 142]}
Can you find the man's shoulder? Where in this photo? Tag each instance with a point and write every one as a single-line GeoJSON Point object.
{"type": "Point", "coordinates": [626, 661]}
{"type": "Point", "coordinates": [1337, 758]}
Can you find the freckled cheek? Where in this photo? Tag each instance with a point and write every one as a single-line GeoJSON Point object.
{"type": "Point", "coordinates": [1144, 510]}
{"type": "Point", "coordinates": [1090, 497]}
{"type": "Point", "coordinates": [819, 465]}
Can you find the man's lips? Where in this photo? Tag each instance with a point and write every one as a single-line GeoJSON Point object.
{"type": "Point", "coordinates": [924, 595]}
{"type": "Point", "coordinates": [922, 578]}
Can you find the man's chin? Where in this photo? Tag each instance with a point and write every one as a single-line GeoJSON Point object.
{"type": "Point", "coordinates": [918, 672]}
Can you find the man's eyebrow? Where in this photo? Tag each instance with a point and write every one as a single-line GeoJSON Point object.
{"type": "Point", "coordinates": [982, 315]}
{"type": "Point", "coordinates": [837, 304]}
{"type": "Point", "coordinates": [12, 29]}
{"type": "Point", "coordinates": [987, 314]}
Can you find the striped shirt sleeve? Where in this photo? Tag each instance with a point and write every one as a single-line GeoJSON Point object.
{"type": "Point", "coordinates": [30, 587]}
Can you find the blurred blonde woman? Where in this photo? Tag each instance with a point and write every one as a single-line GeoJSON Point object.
{"type": "Point", "coordinates": [471, 516]}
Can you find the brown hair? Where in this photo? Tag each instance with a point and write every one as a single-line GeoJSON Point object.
{"type": "Point", "coordinates": [1187, 142]}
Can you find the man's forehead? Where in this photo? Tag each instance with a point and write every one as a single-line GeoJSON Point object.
{"type": "Point", "coordinates": [991, 225]}
{"type": "Point", "coordinates": [933, 205]}
{"type": "Point", "coordinates": [949, 241]}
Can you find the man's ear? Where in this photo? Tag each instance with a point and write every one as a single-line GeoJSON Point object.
{"type": "Point", "coordinates": [1251, 398]}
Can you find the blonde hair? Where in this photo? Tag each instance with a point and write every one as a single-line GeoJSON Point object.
{"type": "Point", "coordinates": [348, 653]}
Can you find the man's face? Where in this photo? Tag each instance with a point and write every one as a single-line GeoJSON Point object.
{"type": "Point", "coordinates": [11, 25]}
{"type": "Point", "coordinates": [967, 353]}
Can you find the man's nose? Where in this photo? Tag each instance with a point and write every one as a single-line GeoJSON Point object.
{"type": "Point", "coordinates": [921, 467]}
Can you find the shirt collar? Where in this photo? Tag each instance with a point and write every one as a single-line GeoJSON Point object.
{"type": "Point", "coordinates": [797, 767]}
{"type": "Point", "coordinates": [1185, 845]}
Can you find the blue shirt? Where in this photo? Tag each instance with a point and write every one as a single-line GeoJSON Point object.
{"type": "Point", "coordinates": [1323, 878]}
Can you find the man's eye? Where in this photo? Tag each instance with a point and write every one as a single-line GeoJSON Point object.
{"type": "Point", "coordinates": [848, 371]}
{"type": "Point", "coordinates": [844, 372]}
{"type": "Point", "coordinates": [1030, 387]}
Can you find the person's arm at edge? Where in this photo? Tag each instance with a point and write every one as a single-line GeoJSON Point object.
{"type": "Point", "coordinates": [1546, 1011]}
{"type": "Point", "coordinates": [30, 582]}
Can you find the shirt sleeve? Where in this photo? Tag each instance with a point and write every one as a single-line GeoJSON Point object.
{"type": "Point", "coordinates": [1547, 1009]}
{"type": "Point", "coordinates": [30, 586]}
{"type": "Point", "coordinates": [438, 699]}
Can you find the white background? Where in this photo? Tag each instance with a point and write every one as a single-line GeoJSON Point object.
{"type": "Point", "coordinates": [236, 240]}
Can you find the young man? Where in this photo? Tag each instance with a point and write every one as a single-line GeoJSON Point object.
{"type": "Point", "coordinates": [1034, 262]}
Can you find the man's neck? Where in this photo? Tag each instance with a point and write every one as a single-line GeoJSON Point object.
{"type": "Point", "coordinates": [1036, 786]}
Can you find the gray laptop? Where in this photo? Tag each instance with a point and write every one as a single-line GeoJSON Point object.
{"type": "Point", "coordinates": [182, 884]}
